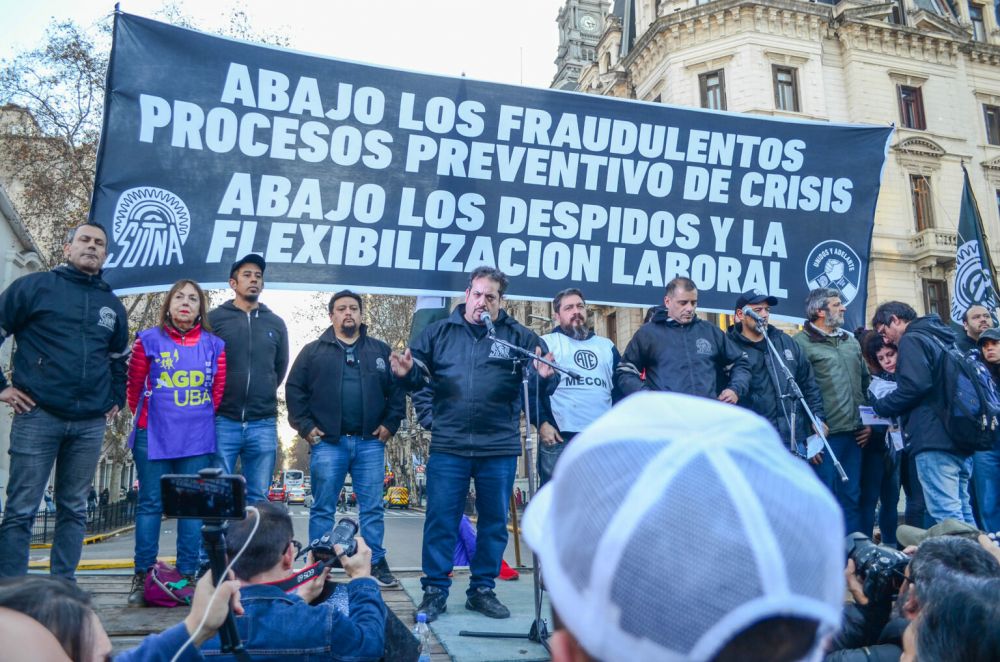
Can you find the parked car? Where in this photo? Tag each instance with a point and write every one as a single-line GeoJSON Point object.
{"type": "Point", "coordinates": [277, 493]}
{"type": "Point", "coordinates": [398, 497]}
{"type": "Point", "coordinates": [296, 495]}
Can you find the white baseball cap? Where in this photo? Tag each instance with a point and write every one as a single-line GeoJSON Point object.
{"type": "Point", "coordinates": [673, 523]}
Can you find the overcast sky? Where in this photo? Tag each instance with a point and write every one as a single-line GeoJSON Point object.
{"type": "Point", "coordinates": [505, 41]}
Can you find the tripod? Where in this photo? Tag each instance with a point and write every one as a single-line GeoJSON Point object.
{"type": "Point", "coordinates": [794, 392]}
{"type": "Point", "coordinates": [539, 631]}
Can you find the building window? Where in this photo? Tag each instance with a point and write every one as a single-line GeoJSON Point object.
{"type": "Point", "coordinates": [920, 192]}
{"type": "Point", "coordinates": [786, 92]}
{"type": "Point", "coordinates": [911, 107]}
{"type": "Point", "coordinates": [992, 117]}
{"type": "Point", "coordinates": [611, 327]}
{"type": "Point", "coordinates": [588, 54]}
{"type": "Point", "coordinates": [978, 26]}
{"type": "Point", "coordinates": [713, 90]}
{"type": "Point", "coordinates": [936, 299]}
{"type": "Point", "coordinates": [896, 16]}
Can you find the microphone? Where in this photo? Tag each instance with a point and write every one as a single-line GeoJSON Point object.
{"type": "Point", "coordinates": [748, 311]}
{"type": "Point", "coordinates": [485, 318]}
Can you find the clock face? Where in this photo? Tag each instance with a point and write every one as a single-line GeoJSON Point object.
{"type": "Point", "coordinates": [588, 23]}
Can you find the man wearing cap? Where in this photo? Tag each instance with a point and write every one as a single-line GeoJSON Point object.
{"type": "Point", "coordinates": [986, 464]}
{"type": "Point", "coordinates": [681, 353]}
{"type": "Point", "coordinates": [661, 462]}
{"type": "Point", "coordinates": [256, 361]}
{"type": "Point", "coordinates": [345, 402]}
{"type": "Point", "coordinates": [769, 394]}
{"type": "Point", "coordinates": [975, 320]}
{"type": "Point", "coordinates": [943, 468]}
{"type": "Point", "coordinates": [842, 376]}
{"type": "Point", "coordinates": [476, 410]}
{"type": "Point", "coordinates": [68, 383]}
{"type": "Point", "coordinates": [576, 402]}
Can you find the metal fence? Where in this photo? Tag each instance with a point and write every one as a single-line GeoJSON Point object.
{"type": "Point", "coordinates": [100, 519]}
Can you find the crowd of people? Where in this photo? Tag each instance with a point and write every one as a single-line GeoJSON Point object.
{"type": "Point", "coordinates": [766, 445]}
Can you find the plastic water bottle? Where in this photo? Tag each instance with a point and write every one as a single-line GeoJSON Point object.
{"type": "Point", "coordinates": [423, 635]}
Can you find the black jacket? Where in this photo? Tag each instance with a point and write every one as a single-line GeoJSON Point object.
{"type": "Point", "coordinates": [476, 395]}
{"type": "Point", "coordinates": [685, 358]}
{"type": "Point", "coordinates": [768, 383]}
{"type": "Point", "coordinates": [918, 397]}
{"type": "Point", "coordinates": [72, 342]}
{"type": "Point", "coordinates": [256, 360]}
{"type": "Point", "coordinates": [313, 388]}
{"type": "Point", "coordinates": [868, 634]}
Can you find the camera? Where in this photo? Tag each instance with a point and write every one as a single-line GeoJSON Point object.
{"type": "Point", "coordinates": [880, 568]}
{"type": "Point", "coordinates": [342, 534]}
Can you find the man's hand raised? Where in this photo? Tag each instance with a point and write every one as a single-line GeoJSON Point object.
{"type": "Point", "coordinates": [401, 362]}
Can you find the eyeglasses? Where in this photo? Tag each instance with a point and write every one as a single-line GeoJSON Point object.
{"type": "Point", "coordinates": [297, 545]}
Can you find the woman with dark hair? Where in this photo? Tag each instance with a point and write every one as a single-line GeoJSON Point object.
{"type": "Point", "coordinates": [63, 609]}
{"type": "Point", "coordinates": [176, 376]}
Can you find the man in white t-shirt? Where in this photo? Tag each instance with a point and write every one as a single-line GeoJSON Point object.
{"type": "Point", "coordinates": [576, 402]}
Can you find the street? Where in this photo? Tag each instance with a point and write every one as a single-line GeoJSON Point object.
{"type": "Point", "coordinates": [404, 531]}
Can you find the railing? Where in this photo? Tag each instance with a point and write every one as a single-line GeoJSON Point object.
{"type": "Point", "coordinates": [100, 519]}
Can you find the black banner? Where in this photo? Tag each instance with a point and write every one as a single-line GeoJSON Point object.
{"type": "Point", "coordinates": [345, 174]}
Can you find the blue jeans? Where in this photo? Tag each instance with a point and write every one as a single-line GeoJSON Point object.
{"type": "Point", "coordinates": [549, 455]}
{"type": "Point", "coordinates": [986, 476]}
{"type": "Point", "coordinates": [329, 465]}
{"type": "Point", "coordinates": [149, 511]}
{"type": "Point", "coordinates": [37, 440]}
{"type": "Point", "coordinates": [848, 494]}
{"type": "Point", "coordinates": [945, 479]}
{"type": "Point", "coordinates": [255, 442]}
{"type": "Point", "coordinates": [447, 486]}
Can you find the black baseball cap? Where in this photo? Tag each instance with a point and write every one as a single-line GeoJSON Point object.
{"type": "Point", "coordinates": [251, 258]}
{"type": "Point", "coordinates": [751, 297]}
{"type": "Point", "coordinates": [988, 334]}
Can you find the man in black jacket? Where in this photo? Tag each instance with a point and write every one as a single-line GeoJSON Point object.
{"type": "Point", "coordinates": [679, 352]}
{"type": "Point", "coordinates": [345, 402]}
{"type": "Point", "coordinates": [944, 469]}
{"type": "Point", "coordinates": [68, 383]}
{"type": "Point", "coordinates": [246, 425]}
{"type": "Point", "coordinates": [476, 435]}
{"type": "Point", "coordinates": [769, 393]}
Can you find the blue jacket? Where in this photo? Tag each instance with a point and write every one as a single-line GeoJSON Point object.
{"type": "Point", "coordinates": [72, 342]}
{"type": "Point", "coordinates": [282, 626]}
{"type": "Point", "coordinates": [475, 393]}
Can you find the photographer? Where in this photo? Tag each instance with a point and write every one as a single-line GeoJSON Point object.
{"type": "Point", "coordinates": [873, 629]}
{"type": "Point", "coordinates": [280, 624]}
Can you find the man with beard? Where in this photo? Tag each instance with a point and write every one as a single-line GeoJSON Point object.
{"type": "Point", "coordinates": [345, 402]}
{"type": "Point", "coordinates": [843, 379]}
{"type": "Point", "coordinates": [246, 424]}
{"type": "Point", "coordinates": [769, 394]}
{"type": "Point", "coordinates": [476, 405]}
{"type": "Point", "coordinates": [975, 320]}
{"type": "Point", "coordinates": [576, 402]}
{"type": "Point", "coordinates": [680, 352]}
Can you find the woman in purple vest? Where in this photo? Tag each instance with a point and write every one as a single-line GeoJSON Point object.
{"type": "Point", "coordinates": [176, 376]}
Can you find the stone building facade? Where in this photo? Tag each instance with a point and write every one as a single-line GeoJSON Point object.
{"type": "Point", "coordinates": [929, 67]}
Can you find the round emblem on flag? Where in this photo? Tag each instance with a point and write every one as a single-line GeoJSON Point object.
{"type": "Point", "coordinates": [834, 264]}
{"type": "Point", "coordinates": [586, 359]}
{"type": "Point", "coordinates": [150, 226]}
{"type": "Point", "coordinates": [972, 281]}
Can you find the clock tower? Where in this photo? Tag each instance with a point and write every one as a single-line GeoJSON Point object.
{"type": "Point", "coordinates": [581, 24]}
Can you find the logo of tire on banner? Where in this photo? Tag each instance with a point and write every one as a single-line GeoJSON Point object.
{"type": "Point", "coordinates": [150, 225]}
{"type": "Point", "coordinates": [972, 282]}
{"type": "Point", "coordinates": [834, 264]}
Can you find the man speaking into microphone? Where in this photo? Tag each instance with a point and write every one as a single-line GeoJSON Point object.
{"type": "Point", "coordinates": [476, 409]}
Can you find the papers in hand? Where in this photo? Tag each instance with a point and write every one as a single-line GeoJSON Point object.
{"type": "Point", "coordinates": [881, 387]}
{"type": "Point", "coordinates": [869, 417]}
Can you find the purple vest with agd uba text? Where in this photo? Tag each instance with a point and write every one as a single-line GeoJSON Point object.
{"type": "Point", "coordinates": [181, 419]}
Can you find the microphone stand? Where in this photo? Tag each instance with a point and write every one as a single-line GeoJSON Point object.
{"type": "Point", "coordinates": [539, 631]}
{"type": "Point", "coordinates": [796, 393]}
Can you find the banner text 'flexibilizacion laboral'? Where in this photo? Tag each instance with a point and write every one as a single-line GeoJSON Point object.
{"type": "Point", "coordinates": [346, 174]}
